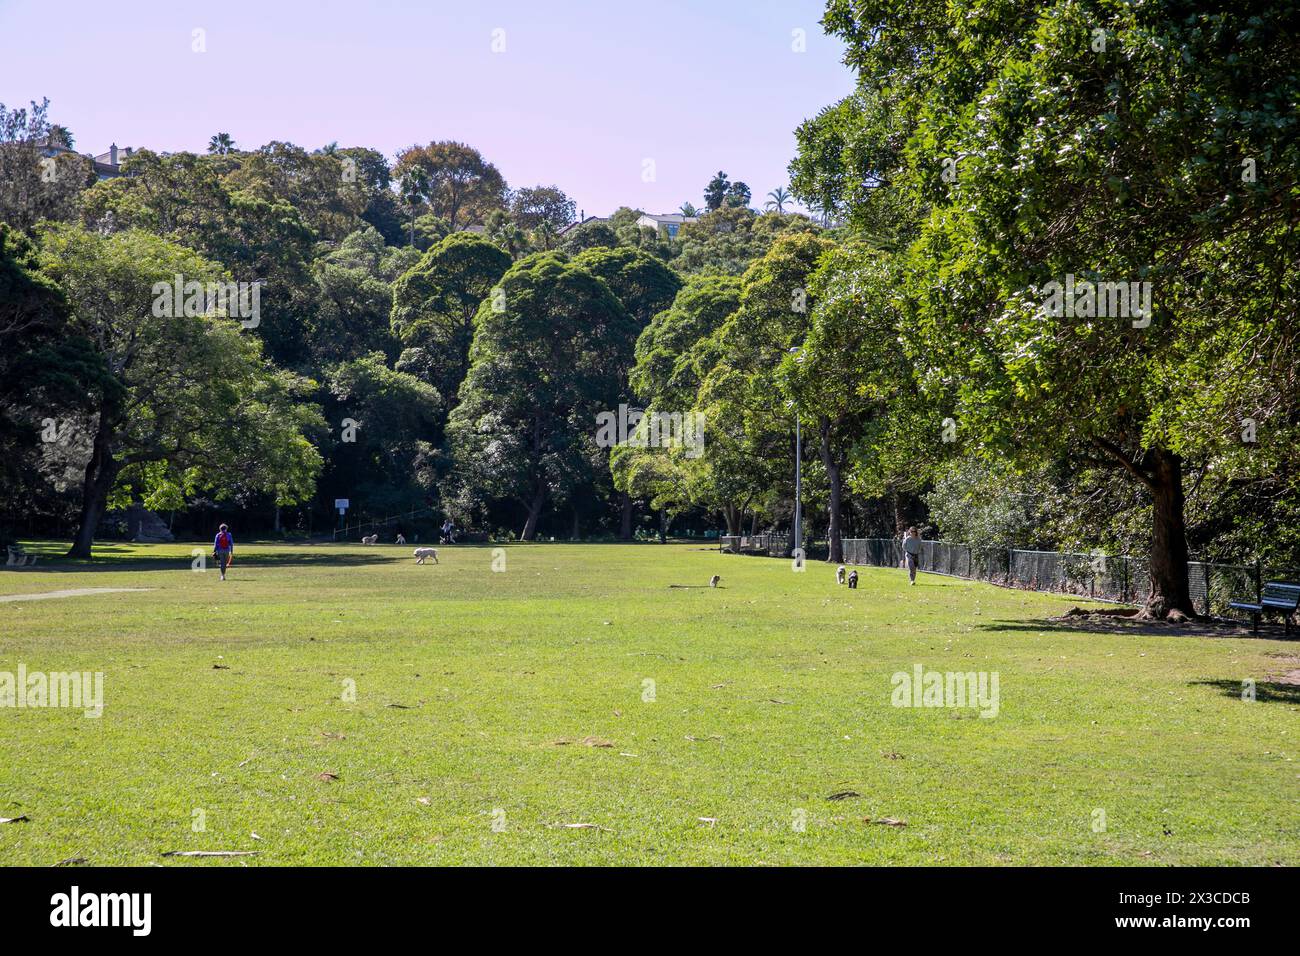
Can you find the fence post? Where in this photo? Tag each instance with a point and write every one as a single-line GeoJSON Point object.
{"type": "Point", "coordinates": [1259, 587]}
{"type": "Point", "coordinates": [1123, 594]}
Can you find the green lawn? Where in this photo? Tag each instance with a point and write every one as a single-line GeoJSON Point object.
{"type": "Point", "coordinates": [769, 695]}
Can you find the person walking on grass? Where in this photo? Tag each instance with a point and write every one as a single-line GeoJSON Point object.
{"type": "Point", "coordinates": [223, 549]}
{"type": "Point", "coordinates": [911, 552]}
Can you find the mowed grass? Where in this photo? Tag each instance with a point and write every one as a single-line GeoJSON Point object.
{"type": "Point", "coordinates": [475, 691]}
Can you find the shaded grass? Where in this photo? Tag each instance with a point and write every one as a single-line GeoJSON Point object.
{"type": "Point", "coordinates": [475, 691]}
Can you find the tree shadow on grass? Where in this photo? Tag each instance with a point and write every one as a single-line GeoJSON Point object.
{"type": "Point", "coordinates": [1266, 691]}
{"type": "Point", "coordinates": [1123, 626]}
{"type": "Point", "coordinates": [119, 557]}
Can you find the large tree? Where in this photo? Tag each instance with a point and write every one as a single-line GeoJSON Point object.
{"type": "Point", "coordinates": [193, 404]}
{"type": "Point", "coordinates": [749, 418]}
{"type": "Point", "coordinates": [37, 180]}
{"type": "Point", "coordinates": [434, 304]}
{"type": "Point", "coordinates": [542, 367]}
{"type": "Point", "coordinates": [462, 187]}
{"type": "Point", "coordinates": [185, 198]}
{"type": "Point", "coordinates": [1143, 156]}
{"type": "Point", "coordinates": [531, 206]}
{"type": "Point", "coordinates": [49, 374]}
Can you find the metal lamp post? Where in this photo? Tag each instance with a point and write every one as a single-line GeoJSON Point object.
{"type": "Point", "coordinates": [798, 467]}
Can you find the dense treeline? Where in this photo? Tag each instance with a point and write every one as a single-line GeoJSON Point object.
{"type": "Point", "coordinates": [1049, 300]}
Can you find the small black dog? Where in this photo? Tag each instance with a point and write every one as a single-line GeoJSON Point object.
{"type": "Point", "coordinates": [853, 580]}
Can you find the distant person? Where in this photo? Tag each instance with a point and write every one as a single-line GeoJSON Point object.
{"type": "Point", "coordinates": [223, 549]}
{"type": "Point", "coordinates": [911, 552]}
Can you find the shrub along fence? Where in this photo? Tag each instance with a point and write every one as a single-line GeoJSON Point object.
{"type": "Point", "coordinates": [1119, 578]}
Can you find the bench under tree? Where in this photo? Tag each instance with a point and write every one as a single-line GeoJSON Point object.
{"type": "Point", "coordinates": [1278, 597]}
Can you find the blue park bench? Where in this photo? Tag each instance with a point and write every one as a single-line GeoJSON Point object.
{"type": "Point", "coordinates": [1278, 597]}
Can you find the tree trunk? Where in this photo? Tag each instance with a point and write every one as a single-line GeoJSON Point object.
{"type": "Point", "coordinates": [900, 520]}
{"type": "Point", "coordinates": [834, 533]}
{"type": "Point", "coordinates": [1170, 588]}
{"type": "Point", "coordinates": [534, 512]}
{"type": "Point", "coordinates": [663, 526]}
{"type": "Point", "coordinates": [625, 522]}
{"type": "Point", "coordinates": [577, 527]}
{"type": "Point", "coordinates": [101, 472]}
{"type": "Point", "coordinates": [731, 514]}
{"type": "Point", "coordinates": [753, 523]}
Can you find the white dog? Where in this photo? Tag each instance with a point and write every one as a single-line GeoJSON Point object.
{"type": "Point", "coordinates": [422, 553]}
{"type": "Point", "coordinates": [401, 539]}
{"type": "Point", "coordinates": [839, 574]}
{"type": "Point", "coordinates": [370, 539]}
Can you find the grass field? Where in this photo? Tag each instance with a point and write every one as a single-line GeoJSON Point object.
{"type": "Point", "coordinates": [482, 700]}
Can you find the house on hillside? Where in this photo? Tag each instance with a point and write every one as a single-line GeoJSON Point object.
{"type": "Point", "coordinates": [669, 222]}
{"type": "Point", "coordinates": [107, 165]}
{"type": "Point", "coordinates": [582, 221]}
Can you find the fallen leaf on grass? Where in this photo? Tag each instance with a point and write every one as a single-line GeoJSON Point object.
{"type": "Point", "coordinates": [844, 795]}
{"type": "Point", "coordinates": [210, 853]}
{"type": "Point", "coordinates": [72, 861]}
{"type": "Point", "coordinates": [597, 742]}
{"type": "Point", "coordinates": [773, 700]}
{"type": "Point", "coordinates": [886, 821]}
{"type": "Point", "coordinates": [586, 826]}
{"type": "Point", "coordinates": [327, 776]}
{"type": "Point", "coordinates": [423, 800]}
{"type": "Point", "coordinates": [333, 736]}
{"type": "Point", "coordinates": [401, 706]}
{"type": "Point", "coordinates": [893, 756]}
{"type": "Point", "coordinates": [220, 667]}
{"type": "Point", "coordinates": [22, 819]}
{"type": "Point", "coordinates": [698, 739]}
{"type": "Point", "coordinates": [711, 821]}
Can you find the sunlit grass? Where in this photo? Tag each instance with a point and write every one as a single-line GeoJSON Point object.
{"type": "Point", "coordinates": [731, 714]}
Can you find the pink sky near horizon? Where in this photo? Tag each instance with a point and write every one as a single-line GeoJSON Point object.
{"type": "Point", "coordinates": [582, 95]}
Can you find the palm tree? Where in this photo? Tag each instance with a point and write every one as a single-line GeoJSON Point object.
{"type": "Point", "coordinates": [689, 211]}
{"type": "Point", "coordinates": [60, 136]}
{"type": "Point", "coordinates": [414, 186]}
{"type": "Point", "coordinates": [778, 197]}
{"type": "Point", "coordinates": [221, 144]}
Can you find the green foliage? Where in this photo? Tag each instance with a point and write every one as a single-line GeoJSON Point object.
{"type": "Point", "coordinates": [540, 371]}
{"type": "Point", "coordinates": [194, 404]}
{"type": "Point", "coordinates": [434, 304]}
{"type": "Point", "coordinates": [36, 181]}
{"type": "Point", "coordinates": [726, 242]}
{"type": "Point", "coordinates": [391, 458]}
{"type": "Point", "coordinates": [531, 206]}
{"type": "Point", "coordinates": [667, 372]}
{"type": "Point", "coordinates": [458, 184]}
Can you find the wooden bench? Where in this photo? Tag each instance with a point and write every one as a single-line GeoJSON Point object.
{"type": "Point", "coordinates": [1278, 597]}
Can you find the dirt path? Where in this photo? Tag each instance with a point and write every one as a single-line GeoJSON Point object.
{"type": "Point", "coordinates": [72, 592]}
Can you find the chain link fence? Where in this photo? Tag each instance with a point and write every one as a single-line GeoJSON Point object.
{"type": "Point", "coordinates": [1119, 578]}
{"type": "Point", "coordinates": [770, 544]}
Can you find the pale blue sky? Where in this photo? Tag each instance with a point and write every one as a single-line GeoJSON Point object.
{"type": "Point", "coordinates": [583, 94]}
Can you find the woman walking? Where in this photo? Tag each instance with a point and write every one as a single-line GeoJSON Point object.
{"type": "Point", "coordinates": [223, 548]}
{"type": "Point", "coordinates": [911, 552]}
